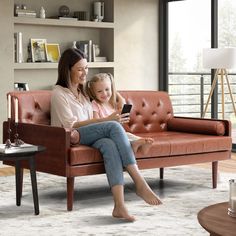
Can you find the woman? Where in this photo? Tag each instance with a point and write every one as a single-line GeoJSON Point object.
{"type": "Point", "coordinates": [71, 108]}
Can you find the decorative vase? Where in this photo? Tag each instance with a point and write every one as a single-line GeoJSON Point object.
{"type": "Point", "coordinates": [74, 45]}
{"type": "Point", "coordinates": [42, 14]}
{"type": "Point", "coordinates": [97, 50]}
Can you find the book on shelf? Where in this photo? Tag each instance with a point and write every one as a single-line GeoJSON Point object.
{"type": "Point", "coordinates": [63, 18]}
{"type": "Point", "coordinates": [26, 147]}
{"type": "Point", "coordinates": [25, 13]}
{"type": "Point", "coordinates": [18, 48]}
{"type": "Point", "coordinates": [67, 18]}
{"type": "Point", "coordinates": [100, 59]}
{"type": "Point", "coordinates": [86, 47]}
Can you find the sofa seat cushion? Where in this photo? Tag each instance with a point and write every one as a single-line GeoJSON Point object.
{"type": "Point", "coordinates": [165, 144]}
{"type": "Point", "coordinates": [82, 154]}
{"type": "Point", "coordinates": [172, 143]}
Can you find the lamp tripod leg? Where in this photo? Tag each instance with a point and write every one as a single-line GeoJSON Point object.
{"type": "Point", "coordinates": [230, 92]}
{"type": "Point", "coordinates": [211, 92]}
{"type": "Point", "coordinates": [222, 92]}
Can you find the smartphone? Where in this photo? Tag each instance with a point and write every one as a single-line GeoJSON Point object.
{"type": "Point", "coordinates": [126, 108]}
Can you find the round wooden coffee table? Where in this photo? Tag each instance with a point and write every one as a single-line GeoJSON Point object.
{"type": "Point", "coordinates": [216, 221]}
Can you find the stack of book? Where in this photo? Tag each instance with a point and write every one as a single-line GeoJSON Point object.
{"type": "Point", "coordinates": [100, 59]}
{"type": "Point", "coordinates": [18, 149]}
{"type": "Point", "coordinates": [66, 18]}
{"type": "Point", "coordinates": [25, 13]}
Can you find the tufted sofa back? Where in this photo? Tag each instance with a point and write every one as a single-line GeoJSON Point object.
{"type": "Point", "coordinates": [150, 111]}
{"type": "Point", "coordinates": [34, 106]}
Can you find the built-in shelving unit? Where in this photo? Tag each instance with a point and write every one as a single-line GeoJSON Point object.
{"type": "Point", "coordinates": [62, 32]}
{"type": "Point", "coordinates": [49, 65]}
{"type": "Point", "coordinates": [62, 23]}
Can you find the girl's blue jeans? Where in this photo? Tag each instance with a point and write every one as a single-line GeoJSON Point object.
{"type": "Point", "coordinates": [111, 140]}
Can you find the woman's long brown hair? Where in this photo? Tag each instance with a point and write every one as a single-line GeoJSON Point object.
{"type": "Point", "coordinates": [68, 58]}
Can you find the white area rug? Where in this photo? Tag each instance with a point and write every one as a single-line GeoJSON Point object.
{"type": "Point", "coordinates": [184, 191]}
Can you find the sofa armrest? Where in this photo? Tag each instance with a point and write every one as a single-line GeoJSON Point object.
{"type": "Point", "coordinates": [200, 125]}
{"type": "Point", "coordinates": [55, 139]}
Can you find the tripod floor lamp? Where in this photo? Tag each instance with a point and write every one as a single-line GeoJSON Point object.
{"type": "Point", "coordinates": [220, 59]}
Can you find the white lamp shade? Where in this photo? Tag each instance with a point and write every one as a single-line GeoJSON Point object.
{"type": "Point", "coordinates": [219, 58]}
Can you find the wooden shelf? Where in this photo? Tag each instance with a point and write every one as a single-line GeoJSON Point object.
{"type": "Point", "coordinates": [62, 23]}
{"type": "Point", "coordinates": [63, 32]}
{"type": "Point", "coordinates": [49, 65]}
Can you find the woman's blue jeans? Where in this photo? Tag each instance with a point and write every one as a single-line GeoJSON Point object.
{"type": "Point", "coordinates": [111, 140]}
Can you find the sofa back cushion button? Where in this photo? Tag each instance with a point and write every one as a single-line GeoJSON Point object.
{"type": "Point", "coordinates": [169, 115]}
{"type": "Point", "coordinates": [163, 125]}
{"type": "Point", "coordinates": [29, 116]}
{"type": "Point", "coordinates": [36, 105]}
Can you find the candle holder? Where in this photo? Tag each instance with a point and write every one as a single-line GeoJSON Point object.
{"type": "Point", "coordinates": [18, 142]}
{"type": "Point", "coordinates": [8, 141]}
{"type": "Point", "coordinates": [232, 198]}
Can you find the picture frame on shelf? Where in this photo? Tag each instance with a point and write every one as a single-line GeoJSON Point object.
{"type": "Point", "coordinates": [53, 52]}
{"type": "Point", "coordinates": [38, 50]}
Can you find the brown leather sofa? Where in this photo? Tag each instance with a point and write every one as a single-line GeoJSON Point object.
{"type": "Point", "coordinates": [178, 140]}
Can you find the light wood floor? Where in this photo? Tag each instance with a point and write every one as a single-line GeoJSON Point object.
{"type": "Point", "coordinates": [224, 166]}
{"type": "Point", "coordinates": [5, 171]}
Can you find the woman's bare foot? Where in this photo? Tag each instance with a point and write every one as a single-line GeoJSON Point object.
{"type": "Point", "coordinates": [145, 192]}
{"type": "Point", "coordinates": [142, 144]}
{"type": "Point", "coordinates": [122, 213]}
{"type": "Point", "coordinates": [74, 137]}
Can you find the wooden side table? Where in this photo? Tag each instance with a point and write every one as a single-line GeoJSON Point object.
{"type": "Point", "coordinates": [216, 221]}
{"type": "Point", "coordinates": [17, 158]}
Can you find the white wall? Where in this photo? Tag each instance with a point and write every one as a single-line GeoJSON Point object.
{"type": "Point", "coordinates": [6, 57]}
{"type": "Point", "coordinates": [136, 44]}
{"type": "Point", "coordinates": [136, 50]}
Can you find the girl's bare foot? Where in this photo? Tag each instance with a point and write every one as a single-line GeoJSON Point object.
{"type": "Point", "coordinates": [122, 213]}
{"type": "Point", "coordinates": [74, 137]}
{"type": "Point", "coordinates": [142, 144]}
{"type": "Point", "coordinates": [146, 146]}
{"type": "Point", "coordinates": [145, 192]}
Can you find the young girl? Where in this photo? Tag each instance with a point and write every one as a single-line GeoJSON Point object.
{"type": "Point", "coordinates": [105, 102]}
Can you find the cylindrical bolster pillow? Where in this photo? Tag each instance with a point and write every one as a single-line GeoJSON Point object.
{"type": "Point", "coordinates": [200, 126]}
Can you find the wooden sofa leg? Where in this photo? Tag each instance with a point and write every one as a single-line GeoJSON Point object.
{"type": "Point", "coordinates": [70, 193]}
{"type": "Point", "coordinates": [214, 173]}
{"type": "Point", "coordinates": [161, 173]}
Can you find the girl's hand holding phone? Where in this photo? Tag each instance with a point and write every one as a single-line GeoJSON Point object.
{"type": "Point", "coordinates": [125, 113]}
{"type": "Point", "coordinates": [121, 118]}
{"type": "Point", "coordinates": [124, 118]}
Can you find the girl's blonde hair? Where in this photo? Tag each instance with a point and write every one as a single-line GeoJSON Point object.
{"type": "Point", "coordinates": [101, 77]}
